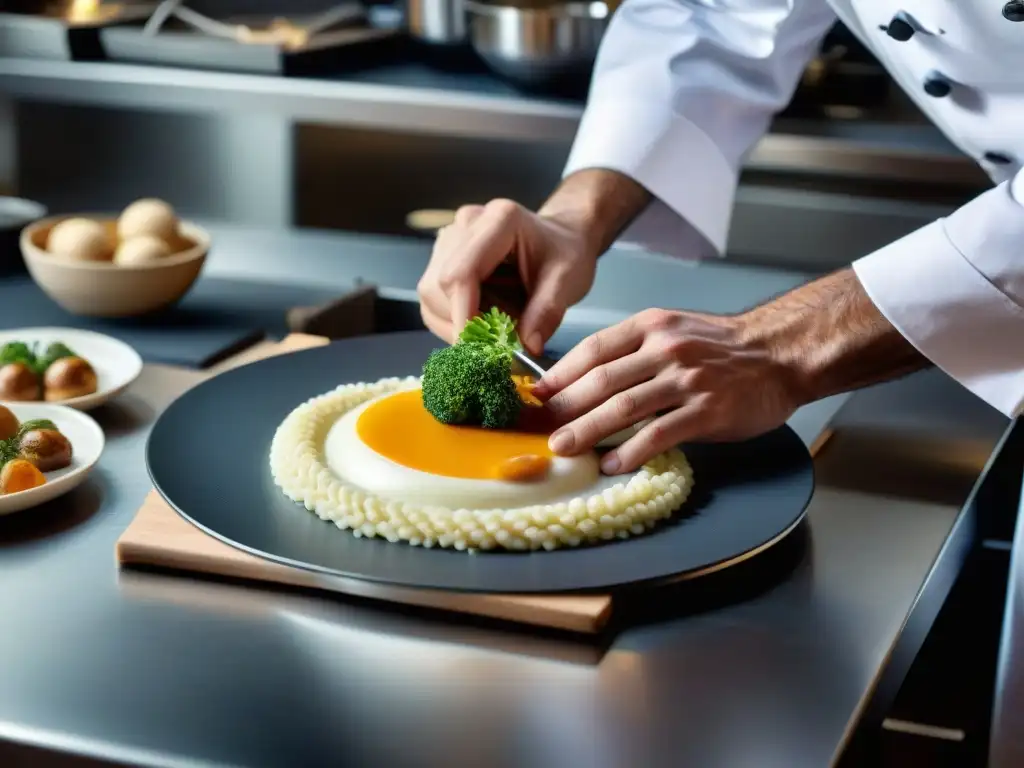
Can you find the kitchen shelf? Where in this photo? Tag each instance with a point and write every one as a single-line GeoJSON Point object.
{"type": "Point", "coordinates": [417, 99]}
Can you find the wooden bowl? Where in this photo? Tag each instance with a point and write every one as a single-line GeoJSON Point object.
{"type": "Point", "coordinates": [105, 289]}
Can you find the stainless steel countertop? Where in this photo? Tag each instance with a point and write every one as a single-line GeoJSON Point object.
{"type": "Point", "coordinates": [1006, 744]}
{"type": "Point", "coordinates": [415, 98]}
{"type": "Point", "coordinates": [163, 670]}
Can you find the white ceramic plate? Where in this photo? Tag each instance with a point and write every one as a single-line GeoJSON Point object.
{"type": "Point", "coordinates": [116, 364]}
{"type": "Point", "coordinates": [87, 443]}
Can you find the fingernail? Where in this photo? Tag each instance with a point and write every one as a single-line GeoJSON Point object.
{"type": "Point", "coordinates": [535, 343]}
{"type": "Point", "coordinates": [610, 464]}
{"type": "Point", "coordinates": [561, 441]}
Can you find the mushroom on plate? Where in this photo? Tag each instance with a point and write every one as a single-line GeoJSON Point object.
{"type": "Point", "coordinates": [69, 377]}
{"type": "Point", "coordinates": [8, 423]}
{"type": "Point", "coordinates": [18, 382]}
{"type": "Point", "coordinates": [47, 449]}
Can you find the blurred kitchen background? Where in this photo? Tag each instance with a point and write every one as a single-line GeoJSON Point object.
{"type": "Point", "coordinates": [380, 117]}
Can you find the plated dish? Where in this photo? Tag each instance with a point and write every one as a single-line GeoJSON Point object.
{"type": "Point", "coordinates": [55, 372]}
{"type": "Point", "coordinates": [458, 458]}
{"type": "Point", "coordinates": [79, 369]}
{"type": "Point", "coordinates": [45, 451]}
{"type": "Point", "coordinates": [746, 496]}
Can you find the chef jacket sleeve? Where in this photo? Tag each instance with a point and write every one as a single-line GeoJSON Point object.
{"type": "Point", "coordinates": [682, 90]}
{"type": "Point", "coordinates": [955, 290]}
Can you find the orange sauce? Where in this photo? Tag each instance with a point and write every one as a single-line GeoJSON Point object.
{"type": "Point", "coordinates": [523, 469]}
{"type": "Point", "coordinates": [399, 428]}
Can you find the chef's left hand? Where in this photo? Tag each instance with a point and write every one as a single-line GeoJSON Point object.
{"type": "Point", "coordinates": [702, 378]}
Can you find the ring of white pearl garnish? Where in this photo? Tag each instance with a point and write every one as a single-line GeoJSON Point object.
{"type": "Point", "coordinates": [626, 509]}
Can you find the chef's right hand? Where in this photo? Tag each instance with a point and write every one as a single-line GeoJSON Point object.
{"type": "Point", "coordinates": [555, 260]}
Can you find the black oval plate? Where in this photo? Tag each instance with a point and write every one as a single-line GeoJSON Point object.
{"type": "Point", "coordinates": [208, 455]}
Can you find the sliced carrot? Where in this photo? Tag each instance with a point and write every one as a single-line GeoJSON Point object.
{"type": "Point", "coordinates": [524, 387]}
{"type": "Point", "coordinates": [523, 469]}
{"type": "Point", "coordinates": [20, 475]}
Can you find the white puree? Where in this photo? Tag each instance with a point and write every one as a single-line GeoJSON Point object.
{"type": "Point", "coordinates": [356, 463]}
{"type": "Point", "coordinates": [315, 461]}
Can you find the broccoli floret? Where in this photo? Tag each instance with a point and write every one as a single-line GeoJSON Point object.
{"type": "Point", "coordinates": [17, 352]}
{"type": "Point", "coordinates": [463, 384]}
{"type": "Point", "coordinates": [53, 353]}
{"type": "Point", "coordinates": [20, 352]}
{"type": "Point", "coordinates": [495, 330]}
{"type": "Point", "coordinates": [471, 382]}
{"type": "Point", "coordinates": [9, 451]}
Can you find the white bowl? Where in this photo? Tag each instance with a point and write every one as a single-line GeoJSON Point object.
{"type": "Point", "coordinates": [116, 364]}
{"type": "Point", "coordinates": [87, 444]}
{"type": "Point", "coordinates": [105, 289]}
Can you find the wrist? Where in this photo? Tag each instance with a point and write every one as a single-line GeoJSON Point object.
{"type": "Point", "coordinates": [782, 341]}
{"type": "Point", "coordinates": [827, 337]}
{"type": "Point", "coordinates": [596, 205]}
{"type": "Point", "coordinates": [580, 225]}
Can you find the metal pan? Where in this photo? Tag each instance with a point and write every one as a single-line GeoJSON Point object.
{"type": "Point", "coordinates": [541, 45]}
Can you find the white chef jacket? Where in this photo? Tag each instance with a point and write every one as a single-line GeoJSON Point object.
{"type": "Point", "coordinates": [683, 90]}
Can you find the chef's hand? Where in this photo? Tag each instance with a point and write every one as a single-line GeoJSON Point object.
{"type": "Point", "coordinates": [701, 378]}
{"type": "Point", "coordinates": [555, 261]}
{"type": "Point", "coordinates": [555, 252]}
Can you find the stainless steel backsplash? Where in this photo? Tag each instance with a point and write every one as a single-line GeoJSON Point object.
{"type": "Point", "coordinates": [262, 170]}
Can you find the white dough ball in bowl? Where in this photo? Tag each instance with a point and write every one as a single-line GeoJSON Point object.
{"type": "Point", "coordinates": [115, 289]}
{"type": "Point", "coordinates": [141, 249]}
{"type": "Point", "coordinates": [148, 216]}
{"type": "Point", "coordinates": [80, 239]}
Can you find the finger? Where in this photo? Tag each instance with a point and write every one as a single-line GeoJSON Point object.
{"type": "Point", "coordinates": [616, 341]}
{"type": "Point", "coordinates": [433, 300]}
{"type": "Point", "coordinates": [465, 303]}
{"type": "Point", "coordinates": [437, 324]}
{"type": "Point", "coordinates": [544, 311]}
{"type": "Point", "coordinates": [623, 410]}
{"type": "Point", "coordinates": [686, 423]}
{"type": "Point", "coordinates": [601, 383]}
{"type": "Point", "coordinates": [484, 245]}
{"type": "Point", "coordinates": [433, 306]}
{"type": "Point", "coordinates": [432, 297]}
{"type": "Point", "coordinates": [492, 235]}
{"type": "Point", "coordinates": [467, 214]}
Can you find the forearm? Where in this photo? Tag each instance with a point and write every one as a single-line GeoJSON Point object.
{"type": "Point", "coordinates": [598, 203]}
{"type": "Point", "coordinates": [831, 337]}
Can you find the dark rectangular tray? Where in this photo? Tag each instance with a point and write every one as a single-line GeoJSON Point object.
{"type": "Point", "coordinates": [343, 50]}
{"type": "Point", "coordinates": [204, 329]}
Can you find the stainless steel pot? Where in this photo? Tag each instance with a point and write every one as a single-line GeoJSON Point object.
{"type": "Point", "coordinates": [438, 22]}
{"type": "Point", "coordinates": [538, 44]}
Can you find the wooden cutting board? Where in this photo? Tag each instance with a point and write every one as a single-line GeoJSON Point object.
{"type": "Point", "coordinates": [160, 538]}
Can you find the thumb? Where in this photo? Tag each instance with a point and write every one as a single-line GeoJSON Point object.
{"type": "Point", "coordinates": [544, 310]}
